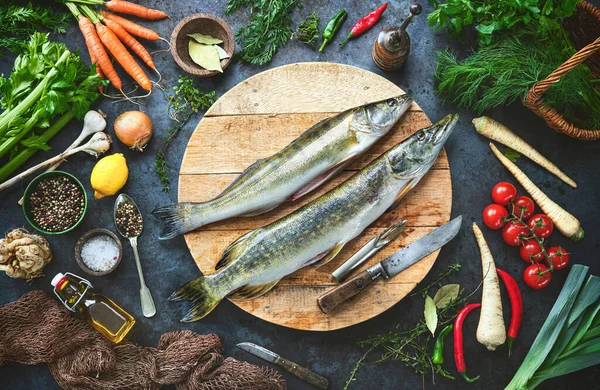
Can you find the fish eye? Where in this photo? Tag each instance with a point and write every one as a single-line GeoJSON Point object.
{"type": "Point", "coordinates": [420, 135]}
{"type": "Point", "coordinates": [391, 102]}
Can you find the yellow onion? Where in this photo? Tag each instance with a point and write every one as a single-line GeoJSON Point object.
{"type": "Point", "coordinates": [134, 129]}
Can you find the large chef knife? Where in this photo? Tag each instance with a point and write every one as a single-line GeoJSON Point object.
{"type": "Point", "coordinates": [391, 265]}
{"type": "Point", "coordinates": [303, 373]}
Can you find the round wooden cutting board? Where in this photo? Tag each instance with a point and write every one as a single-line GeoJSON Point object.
{"type": "Point", "coordinates": [260, 116]}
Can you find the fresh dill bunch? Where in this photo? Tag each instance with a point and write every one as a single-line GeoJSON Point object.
{"type": "Point", "coordinates": [185, 101]}
{"type": "Point", "coordinates": [308, 30]}
{"type": "Point", "coordinates": [18, 22]}
{"type": "Point", "coordinates": [268, 29]}
{"type": "Point", "coordinates": [502, 72]}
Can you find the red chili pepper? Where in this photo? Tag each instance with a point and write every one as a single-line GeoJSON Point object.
{"type": "Point", "coordinates": [365, 23]}
{"type": "Point", "coordinates": [459, 354]}
{"type": "Point", "coordinates": [516, 306]}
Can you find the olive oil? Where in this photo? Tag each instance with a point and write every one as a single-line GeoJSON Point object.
{"type": "Point", "coordinates": [102, 313]}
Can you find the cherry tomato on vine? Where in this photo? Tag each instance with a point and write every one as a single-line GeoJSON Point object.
{"type": "Point", "coordinates": [531, 250]}
{"type": "Point", "coordinates": [542, 225]}
{"type": "Point", "coordinates": [523, 207]}
{"type": "Point", "coordinates": [504, 192]}
{"type": "Point", "coordinates": [558, 256]}
{"type": "Point", "coordinates": [494, 215]}
{"type": "Point", "coordinates": [514, 233]}
{"type": "Point", "coordinates": [536, 277]}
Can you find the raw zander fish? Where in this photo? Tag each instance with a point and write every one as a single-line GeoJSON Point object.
{"type": "Point", "coordinates": [309, 161]}
{"type": "Point", "coordinates": [316, 232]}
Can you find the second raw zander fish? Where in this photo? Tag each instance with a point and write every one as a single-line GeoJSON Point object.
{"type": "Point", "coordinates": [309, 161]}
{"type": "Point", "coordinates": [316, 232]}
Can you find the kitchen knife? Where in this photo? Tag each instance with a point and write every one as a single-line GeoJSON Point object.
{"type": "Point", "coordinates": [391, 265]}
{"type": "Point", "coordinates": [303, 373]}
{"type": "Point", "coordinates": [367, 251]}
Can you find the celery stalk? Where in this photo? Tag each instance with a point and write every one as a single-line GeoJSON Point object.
{"type": "Point", "coordinates": [9, 143]}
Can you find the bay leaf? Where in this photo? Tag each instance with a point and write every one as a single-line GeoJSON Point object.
{"type": "Point", "coordinates": [206, 39]}
{"type": "Point", "coordinates": [205, 55]}
{"type": "Point", "coordinates": [446, 294]}
{"type": "Point", "coordinates": [222, 53]}
{"type": "Point", "coordinates": [431, 318]}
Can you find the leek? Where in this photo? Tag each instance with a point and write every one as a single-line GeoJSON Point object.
{"type": "Point", "coordinates": [569, 340]}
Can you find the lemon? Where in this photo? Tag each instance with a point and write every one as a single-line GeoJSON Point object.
{"type": "Point", "coordinates": [109, 175]}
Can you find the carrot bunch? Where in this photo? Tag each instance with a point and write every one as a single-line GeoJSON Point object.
{"type": "Point", "coordinates": [108, 35]}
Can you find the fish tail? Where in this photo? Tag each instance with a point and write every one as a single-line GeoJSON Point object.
{"type": "Point", "coordinates": [203, 297]}
{"type": "Point", "coordinates": [176, 219]}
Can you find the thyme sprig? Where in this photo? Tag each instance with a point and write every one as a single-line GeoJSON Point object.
{"type": "Point", "coordinates": [183, 103]}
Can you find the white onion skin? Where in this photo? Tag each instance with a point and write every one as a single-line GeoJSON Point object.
{"type": "Point", "coordinates": [134, 129]}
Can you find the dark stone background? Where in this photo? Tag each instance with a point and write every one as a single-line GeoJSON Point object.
{"type": "Point", "coordinates": [168, 264]}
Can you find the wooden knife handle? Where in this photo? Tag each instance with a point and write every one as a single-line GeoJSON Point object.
{"type": "Point", "coordinates": [328, 301]}
{"type": "Point", "coordinates": [303, 373]}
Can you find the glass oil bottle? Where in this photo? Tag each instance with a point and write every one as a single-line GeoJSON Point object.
{"type": "Point", "coordinates": [102, 313]}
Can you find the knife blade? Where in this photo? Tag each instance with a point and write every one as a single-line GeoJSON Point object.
{"type": "Point", "coordinates": [367, 251]}
{"type": "Point", "coordinates": [301, 372]}
{"type": "Point", "coordinates": [392, 265]}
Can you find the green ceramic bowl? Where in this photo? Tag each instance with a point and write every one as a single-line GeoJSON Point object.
{"type": "Point", "coordinates": [30, 188]}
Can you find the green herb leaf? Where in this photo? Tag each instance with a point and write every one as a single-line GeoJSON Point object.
{"type": "Point", "coordinates": [445, 295]}
{"type": "Point", "coordinates": [308, 30]}
{"type": "Point", "coordinates": [431, 317]}
{"type": "Point", "coordinates": [511, 154]}
{"type": "Point", "coordinates": [205, 39]}
{"type": "Point", "coordinates": [205, 55]}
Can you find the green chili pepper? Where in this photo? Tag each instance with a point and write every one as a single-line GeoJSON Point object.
{"type": "Point", "coordinates": [333, 27]}
{"type": "Point", "coordinates": [438, 351]}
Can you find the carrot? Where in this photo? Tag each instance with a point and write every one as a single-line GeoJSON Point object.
{"type": "Point", "coordinates": [500, 133]}
{"type": "Point", "coordinates": [94, 44]}
{"type": "Point", "coordinates": [126, 7]}
{"type": "Point", "coordinates": [565, 222]}
{"type": "Point", "coordinates": [130, 41]}
{"type": "Point", "coordinates": [99, 72]}
{"type": "Point", "coordinates": [131, 27]}
{"type": "Point", "coordinates": [490, 331]}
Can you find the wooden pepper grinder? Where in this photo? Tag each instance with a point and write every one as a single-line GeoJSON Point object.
{"type": "Point", "coordinates": [392, 46]}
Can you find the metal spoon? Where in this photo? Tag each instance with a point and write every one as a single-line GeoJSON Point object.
{"type": "Point", "coordinates": [148, 307]}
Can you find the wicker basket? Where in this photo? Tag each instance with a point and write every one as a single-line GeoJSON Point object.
{"type": "Point", "coordinates": [584, 29]}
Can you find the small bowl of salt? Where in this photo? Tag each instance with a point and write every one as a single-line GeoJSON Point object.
{"type": "Point", "coordinates": [98, 252]}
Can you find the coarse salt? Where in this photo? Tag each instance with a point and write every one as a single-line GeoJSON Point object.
{"type": "Point", "coordinates": [100, 253]}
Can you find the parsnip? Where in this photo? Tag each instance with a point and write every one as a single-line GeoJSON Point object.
{"type": "Point", "coordinates": [498, 132]}
{"type": "Point", "coordinates": [565, 222]}
{"type": "Point", "coordinates": [490, 331]}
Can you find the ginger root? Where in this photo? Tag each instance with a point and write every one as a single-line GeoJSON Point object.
{"type": "Point", "coordinates": [24, 255]}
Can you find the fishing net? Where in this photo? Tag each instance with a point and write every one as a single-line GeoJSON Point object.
{"type": "Point", "coordinates": [38, 329]}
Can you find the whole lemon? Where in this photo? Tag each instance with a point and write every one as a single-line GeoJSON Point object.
{"type": "Point", "coordinates": [109, 175]}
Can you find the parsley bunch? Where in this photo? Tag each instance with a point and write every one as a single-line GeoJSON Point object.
{"type": "Point", "coordinates": [490, 17]}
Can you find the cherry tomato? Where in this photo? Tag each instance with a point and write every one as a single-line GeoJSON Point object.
{"type": "Point", "coordinates": [530, 251]}
{"type": "Point", "coordinates": [534, 278]}
{"type": "Point", "coordinates": [504, 192]}
{"type": "Point", "coordinates": [558, 256]}
{"type": "Point", "coordinates": [523, 207]}
{"type": "Point", "coordinates": [494, 215]}
{"type": "Point", "coordinates": [514, 233]}
{"type": "Point", "coordinates": [542, 225]}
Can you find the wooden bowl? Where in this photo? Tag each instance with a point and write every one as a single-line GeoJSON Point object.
{"type": "Point", "coordinates": [83, 239]}
{"type": "Point", "coordinates": [206, 24]}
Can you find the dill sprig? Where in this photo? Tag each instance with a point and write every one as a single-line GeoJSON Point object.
{"type": "Point", "coordinates": [504, 71]}
{"type": "Point", "coordinates": [185, 101]}
{"type": "Point", "coordinates": [18, 22]}
{"type": "Point", "coordinates": [268, 29]}
{"type": "Point", "coordinates": [413, 346]}
{"type": "Point", "coordinates": [308, 30]}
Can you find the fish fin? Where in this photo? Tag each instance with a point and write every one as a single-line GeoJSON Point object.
{"type": "Point", "coordinates": [409, 186]}
{"type": "Point", "coordinates": [318, 181]}
{"type": "Point", "coordinates": [203, 298]}
{"type": "Point", "coordinates": [239, 180]}
{"type": "Point", "coordinates": [232, 251]}
{"type": "Point", "coordinates": [172, 220]}
{"type": "Point", "coordinates": [250, 292]}
{"type": "Point", "coordinates": [332, 253]}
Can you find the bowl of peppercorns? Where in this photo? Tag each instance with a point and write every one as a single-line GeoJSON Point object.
{"type": "Point", "coordinates": [55, 202]}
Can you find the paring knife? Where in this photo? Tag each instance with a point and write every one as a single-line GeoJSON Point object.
{"type": "Point", "coordinates": [391, 265]}
{"type": "Point", "coordinates": [367, 251]}
{"type": "Point", "coordinates": [301, 372]}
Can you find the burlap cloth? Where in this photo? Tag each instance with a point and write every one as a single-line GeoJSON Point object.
{"type": "Point", "coordinates": [38, 329]}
